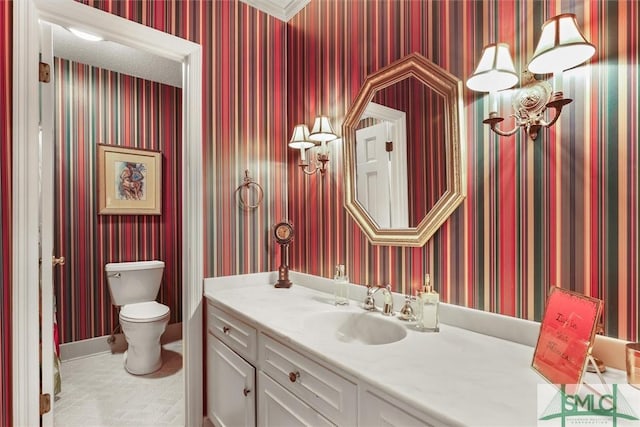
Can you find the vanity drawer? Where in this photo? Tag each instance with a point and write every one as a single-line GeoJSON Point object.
{"type": "Point", "coordinates": [239, 336]}
{"type": "Point", "coordinates": [321, 388]}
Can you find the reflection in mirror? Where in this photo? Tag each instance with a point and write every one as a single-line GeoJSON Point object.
{"type": "Point", "coordinates": [399, 148]}
{"type": "Point", "coordinates": [404, 161]}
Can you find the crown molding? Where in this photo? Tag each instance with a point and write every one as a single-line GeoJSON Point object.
{"type": "Point", "coordinates": [284, 10]}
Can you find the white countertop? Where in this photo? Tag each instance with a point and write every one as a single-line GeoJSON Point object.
{"type": "Point", "coordinates": [456, 376]}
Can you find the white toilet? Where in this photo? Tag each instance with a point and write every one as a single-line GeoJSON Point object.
{"type": "Point", "coordinates": [134, 287]}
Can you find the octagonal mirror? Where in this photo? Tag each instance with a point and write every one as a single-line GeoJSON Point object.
{"type": "Point", "coordinates": [404, 157]}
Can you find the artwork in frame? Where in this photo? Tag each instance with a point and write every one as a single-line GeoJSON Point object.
{"type": "Point", "coordinates": [129, 181]}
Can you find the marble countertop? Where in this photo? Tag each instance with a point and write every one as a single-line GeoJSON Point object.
{"type": "Point", "coordinates": [456, 376]}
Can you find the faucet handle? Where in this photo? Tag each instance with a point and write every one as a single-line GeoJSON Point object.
{"type": "Point", "coordinates": [387, 308]}
{"type": "Point", "coordinates": [369, 303]}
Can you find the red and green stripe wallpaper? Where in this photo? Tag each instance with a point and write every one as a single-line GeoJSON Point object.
{"type": "Point", "coordinates": [244, 126]}
{"type": "Point", "coordinates": [562, 210]}
{"type": "Point", "coordinates": [243, 119]}
{"type": "Point", "coordinates": [96, 106]}
{"type": "Point", "coordinates": [6, 52]}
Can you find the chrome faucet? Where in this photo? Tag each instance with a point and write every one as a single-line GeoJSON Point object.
{"type": "Point", "coordinates": [369, 303]}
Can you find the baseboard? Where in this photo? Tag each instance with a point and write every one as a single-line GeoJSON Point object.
{"type": "Point", "coordinates": [98, 345]}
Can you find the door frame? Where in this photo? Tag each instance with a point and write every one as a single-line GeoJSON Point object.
{"type": "Point", "coordinates": [25, 199]}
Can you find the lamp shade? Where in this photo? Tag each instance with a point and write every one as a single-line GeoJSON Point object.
{"type": "Point", "coordinates": [561, 46]}
{"type": "Point", "coordinates": [300, 138]}
{"type": "Point", "coordinates": [322, 130]}
{"type": "Point", "coordinates": [495, 71]}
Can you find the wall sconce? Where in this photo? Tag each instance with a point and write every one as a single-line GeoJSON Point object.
{"type": "Point", "coordinates": [321, 133]}
{"type": "Point", "coordinates": [561, 46]}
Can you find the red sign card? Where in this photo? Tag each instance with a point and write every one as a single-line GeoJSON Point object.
{"type": "Point", "coordinates": [566, 336]}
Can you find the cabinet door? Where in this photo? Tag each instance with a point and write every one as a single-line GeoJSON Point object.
{"type": "Point", "coordinates": [231, 400]}
{"type": "Point", "coordinates": [323, 389]}
{"type": "Point", "coordinates": [376, 411]}
{"type": "Point", "coordinates": [277, 407]}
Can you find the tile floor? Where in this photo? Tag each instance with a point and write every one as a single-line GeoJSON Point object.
{"type": "Point", "coordinates": [98, 392]}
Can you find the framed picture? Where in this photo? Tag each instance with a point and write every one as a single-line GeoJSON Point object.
{"type": "Point", "coordinates": [129, 181]}
{"type": "Point", "coordinates": [566, 336]}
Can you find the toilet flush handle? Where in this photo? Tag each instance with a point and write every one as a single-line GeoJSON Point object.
{"type": "Point", "coordinates": [115, 275]}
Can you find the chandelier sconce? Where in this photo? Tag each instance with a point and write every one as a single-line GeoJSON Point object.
{"type": "Point", "coordinates": [561, 46]}
{"type": "Point", "coordinates": [321, 133]}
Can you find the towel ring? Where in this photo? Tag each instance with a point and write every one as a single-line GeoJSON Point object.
{"type": "Point", "coordinates": [248, 185]}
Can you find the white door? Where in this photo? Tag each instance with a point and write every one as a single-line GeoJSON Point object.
{"type": "Point", "coordinates": [46, 222]}
{"type": "Point", "coordinates": [231, 395]}
{"type": "Point", "coordinates": [381, 175]}
{"type": "Point", "coordinates": [372, 173]}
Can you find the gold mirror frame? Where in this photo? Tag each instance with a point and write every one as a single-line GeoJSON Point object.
{"type": "Point", "coordinates": [450, 88]}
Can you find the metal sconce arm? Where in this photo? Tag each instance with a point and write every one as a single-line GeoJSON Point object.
{"type": "Point", "coordinates": [530, 103]}
{"type": "Point", "coordinates": [320, 165]}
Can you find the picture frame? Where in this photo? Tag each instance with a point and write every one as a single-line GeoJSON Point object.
{"type": "Point", "coordinates": [566, 337]}
{"type": "Point", "coordinates": [129, 181]}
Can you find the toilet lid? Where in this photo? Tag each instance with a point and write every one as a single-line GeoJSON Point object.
{"type": "Point", "coordinates": [144, 311]}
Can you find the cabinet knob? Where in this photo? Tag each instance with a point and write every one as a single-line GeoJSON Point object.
{"type": "Point", "coordinates": [226, 329]}
{"type": "Point", "coordinates": [246, 391]}
{"type": "Point", "coordinates": [293, 376]}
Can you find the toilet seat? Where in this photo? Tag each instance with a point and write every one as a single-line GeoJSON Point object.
{"type": "Point", "coordinates": [143, 312]}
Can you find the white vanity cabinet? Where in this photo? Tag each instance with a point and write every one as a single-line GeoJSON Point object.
{"type": "Point", "coordinates": [231, 378]}
{"type": "Point", "coordinates": [377, 409]}
{"type": "Point", "coordinates": [278, 407]}
{"type": "Point", "coordinates": [230, 386]}
{"type": "Point", "coordinates": [256, 380]}
{"type": "Point", "coordinates": [323, 389]}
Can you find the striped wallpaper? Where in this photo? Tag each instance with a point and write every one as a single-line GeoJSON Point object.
{"type": "Point", "coordinates": [562, 210]}
{"type": "Point", "coordinates": [6, 52]}
{"type": "Point", "coordinates": [559, 211]}
{"type": "Point", "coordinates": [97, 106]}
{"type": "Point", "coordinates": [244, 124]}
{"type": "Point", "coordinates": [244, 120]}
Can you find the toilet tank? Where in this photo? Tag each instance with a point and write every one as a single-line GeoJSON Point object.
{"type": "Point", "coordinates": [134, 282]}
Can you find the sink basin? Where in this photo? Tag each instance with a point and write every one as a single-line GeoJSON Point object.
{"type": "Point", "coordinates": [363, 328]}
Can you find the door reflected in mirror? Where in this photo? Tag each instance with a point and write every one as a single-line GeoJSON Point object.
{"type": "Point", "coordinates": [399, 148]}
{"type": "Point", "coordinates": [404, 160]}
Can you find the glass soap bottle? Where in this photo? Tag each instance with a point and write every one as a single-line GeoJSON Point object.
{"type": "Point", "coordinates": [341, 289]}
{"type": "Point", "coordinates": [430, 305]}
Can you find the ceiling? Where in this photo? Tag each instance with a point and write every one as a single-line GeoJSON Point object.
{"type": "Point", "coordinates": [116, 57]}
{"type": "Point", "coordinates": [284, 10]}
{"type": "Point", "coordinates": [126, 60]}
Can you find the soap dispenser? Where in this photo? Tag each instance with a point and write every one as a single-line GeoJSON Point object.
{"type": "Point", "coordinates": [430, 305]}
{"type": "Point", "coordinates": [341, 290]}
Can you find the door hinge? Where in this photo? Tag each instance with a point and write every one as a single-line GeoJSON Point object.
{"type": "Point", "coordinates": [389, 146]}
{"type": "Point", "coordinates": [44, 72]}
{"type": "Point", "coordinates": [45, 403]}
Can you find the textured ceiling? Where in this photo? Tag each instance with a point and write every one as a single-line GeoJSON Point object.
{"type": "Point", "coordinates": [281, 9]}
{"type": "Point", "coordinates": [116, 57]}
{"type": "Point", "coordinates": [123, 59]}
